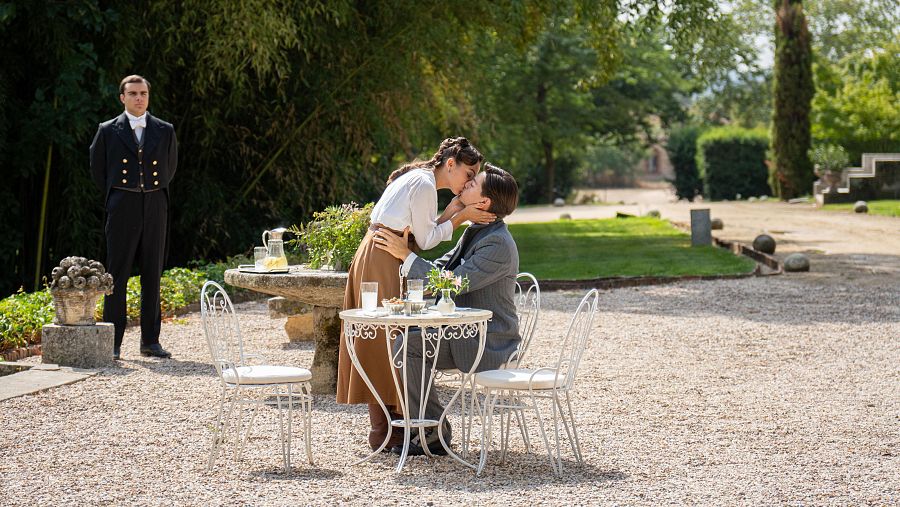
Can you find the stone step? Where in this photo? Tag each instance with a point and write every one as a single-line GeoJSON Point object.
{"type": "Point", "coordinates": [40, 378]}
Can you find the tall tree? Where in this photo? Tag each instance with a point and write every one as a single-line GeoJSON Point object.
{"type": "Point", "coordinates": [793, 92]}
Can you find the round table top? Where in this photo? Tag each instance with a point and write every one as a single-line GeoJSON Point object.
{"type": "Point", "coordinates": [311, 286]}
{"type": "Point", "coordinates": [430, 318]}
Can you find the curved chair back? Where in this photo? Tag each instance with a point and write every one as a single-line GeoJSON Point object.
{"type": "Point", "coordinates": [577, 337]}
{"type": "Point", "coordinates": [528, 306]}
{"type": "Point", "coordinates": [220, 324]}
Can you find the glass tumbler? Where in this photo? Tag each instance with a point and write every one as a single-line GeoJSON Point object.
{"type": "Point", "coordinates": [416, 288]}
{"type": "Point", "coordinates": [369, 295]}
{"type": "Point", "coordinates": [259, 256]}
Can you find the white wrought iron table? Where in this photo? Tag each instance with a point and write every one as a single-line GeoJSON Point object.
{"type": "Point", "coordinates": [465, 324]}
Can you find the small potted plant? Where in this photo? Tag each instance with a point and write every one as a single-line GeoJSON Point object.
{"type": "Point", "coordinates": [449, 285]}
{"type": "Point", "coordinates": [829, 161]}
{"type": "Point", "coordinates": [333, 235]}
{"type": "Point", "coordinates": [76, 285]}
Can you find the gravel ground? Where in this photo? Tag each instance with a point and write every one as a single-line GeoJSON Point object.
{"type": "Point", "coordinates": [758, 391]}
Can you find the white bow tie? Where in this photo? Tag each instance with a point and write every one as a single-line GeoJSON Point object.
{"type": "Point", "coordinates": [140, 122]}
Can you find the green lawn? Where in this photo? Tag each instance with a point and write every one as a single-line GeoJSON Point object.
{"type": "Point", "coordinates": [584, 249]}
{"type": "Point", "coordinates": [888, 207]}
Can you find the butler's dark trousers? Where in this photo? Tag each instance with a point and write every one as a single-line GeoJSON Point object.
{"type": "Point", "coordinates": [135, 228]}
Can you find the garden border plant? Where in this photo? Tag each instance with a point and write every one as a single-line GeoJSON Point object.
{"type": "Point", "coordinates": [22, 315]}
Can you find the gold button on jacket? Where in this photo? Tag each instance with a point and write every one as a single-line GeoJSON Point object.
{"type": "Point", "coordinates": [124, 160]}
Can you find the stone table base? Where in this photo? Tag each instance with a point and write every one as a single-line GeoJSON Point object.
{"type": "Point", "coordinates": [327, 332]}
{"type": "Point", "coordinates": [78, 346]}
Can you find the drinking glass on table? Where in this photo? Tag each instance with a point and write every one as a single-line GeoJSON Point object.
{"type": "Point", "coordinates": [259, 256]}
{"type": "Point", "coordinates": [369, 295]}
{"type": "Point", "coordinates": [416, 289]}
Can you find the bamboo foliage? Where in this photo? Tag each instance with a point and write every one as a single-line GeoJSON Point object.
{"type": "Point", "coordinates": [281, 107]}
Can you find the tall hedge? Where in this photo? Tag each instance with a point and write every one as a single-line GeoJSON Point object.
{"type": "Point", "coordinates": [732, 161]}
{"type": "Point", "coordinates": [682, 148]}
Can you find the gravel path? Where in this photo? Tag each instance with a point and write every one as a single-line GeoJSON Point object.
{"type": "Point", "coordinates": [754, 391]}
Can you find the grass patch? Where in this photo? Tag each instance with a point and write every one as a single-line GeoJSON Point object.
{"type": "Point", "coordinates": [887, 207]}
{"type": "Point", "coordinates": [584, 249]}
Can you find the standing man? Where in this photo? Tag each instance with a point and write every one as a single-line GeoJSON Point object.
{"type": "Point", "coordinates": [133, 159]}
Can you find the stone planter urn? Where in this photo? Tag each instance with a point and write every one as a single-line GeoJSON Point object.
{"type": "Point", "coordinates": [75, 307]}
{"type": "Point", "coordinates": [74, 338]}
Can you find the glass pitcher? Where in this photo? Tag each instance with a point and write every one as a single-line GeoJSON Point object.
{"type": "Point", "coordinates": [276, 233]}
{"type": "Point", "coordinates": [275, 255]}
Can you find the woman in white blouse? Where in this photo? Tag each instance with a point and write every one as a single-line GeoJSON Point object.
{"type": "Point", "coordinates": [410, 200]}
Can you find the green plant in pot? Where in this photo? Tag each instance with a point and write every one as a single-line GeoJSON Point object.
{"type": "Point", "coordinates": [829, 161]}
{"type": "Point", "coordinates": [333, 235]}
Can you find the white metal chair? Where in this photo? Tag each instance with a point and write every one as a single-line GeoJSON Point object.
{"type": "Point", "coordinates": [249, 384]}
{"type": "Point", "coordinates": [528, 307]}
{"type": "Point", "coordinates": [527, 299]}
{"type": "Point", "coordinates": [520, 388]}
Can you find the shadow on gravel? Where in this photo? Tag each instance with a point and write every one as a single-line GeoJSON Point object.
{"type": "Point", "coordinates": [520, 472]}
{"type": "Point", "coordinates": [299, 473]}
{"type": "Point", "coordinates": [175, 367]}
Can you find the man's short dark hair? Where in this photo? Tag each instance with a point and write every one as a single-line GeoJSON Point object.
{"type": "Point", "coordinates": [501, 188]}
{"type": "Point", "coordinates": [134, 78]}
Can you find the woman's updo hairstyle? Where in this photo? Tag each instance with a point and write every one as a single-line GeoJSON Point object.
{"type": "Point", "coordinates": [458, 148]}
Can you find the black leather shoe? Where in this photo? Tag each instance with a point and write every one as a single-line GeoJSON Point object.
{"type": "Point", "coordinates": [117, 353]}
{"type": "Point", "coordinates": [154, 350]}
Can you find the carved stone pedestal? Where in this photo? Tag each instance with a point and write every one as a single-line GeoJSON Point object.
{"type": "Point", "coordinates": [327, 332]}
{"type": "Point", "coordinates": [78, 346]}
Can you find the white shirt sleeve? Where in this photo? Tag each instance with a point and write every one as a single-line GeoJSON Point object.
{"type": "Point", "coordinates": [423, 208]}
{"type": "Point", "coordinates": [407, 264]}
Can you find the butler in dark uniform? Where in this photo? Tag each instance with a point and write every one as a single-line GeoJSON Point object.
{"type": "Point", "coordinates": [133, 159]}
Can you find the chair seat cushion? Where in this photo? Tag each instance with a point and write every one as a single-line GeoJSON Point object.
{"type": "Point", "coordinates": [265, 374]}
{"type": "Point", "coordinates": [517, 378]}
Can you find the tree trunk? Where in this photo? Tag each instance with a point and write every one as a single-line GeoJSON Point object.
{"type": "Point", "coordinates": [549, 170]}
{"type": "Point", "coordinates": [546, 144]}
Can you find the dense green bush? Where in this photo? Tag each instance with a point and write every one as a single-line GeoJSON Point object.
{"type": "Point", "coordinates": [732, 161]}
{"type": "Point", "coordinates": [333, 235]}
{"type": "Point", "coordinates": [21, 318]}
{"type": "Point", "coordinates": [682, 148]}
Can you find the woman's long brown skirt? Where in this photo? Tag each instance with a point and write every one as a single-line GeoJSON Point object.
{"type": "Point", "coordinates": [370, 264]}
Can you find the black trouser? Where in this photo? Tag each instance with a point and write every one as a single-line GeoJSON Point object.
{"type": "Point", "coordinates": [135, 227]}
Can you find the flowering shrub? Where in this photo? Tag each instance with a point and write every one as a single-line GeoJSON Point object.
{"type": "Point", "coordinates": [439, 279]}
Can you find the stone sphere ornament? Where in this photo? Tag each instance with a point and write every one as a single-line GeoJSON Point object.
{"type": "Point", "coordinates": [716, 224]}
{"type": "Point", "coordinates": [796, 262]}
{"type": "Point", "coordinates": [861, 207]}
{"type": "Point", "coordinates": [764, 243]}
{"type": "Point", "coordinates": [76, 285]}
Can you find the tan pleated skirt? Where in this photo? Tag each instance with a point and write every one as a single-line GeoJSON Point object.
{"type": "Point", "coordinates": [370, 264]}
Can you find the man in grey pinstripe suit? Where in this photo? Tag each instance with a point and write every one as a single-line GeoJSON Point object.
{"type": "Point", "coordinates": [488, 256]}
